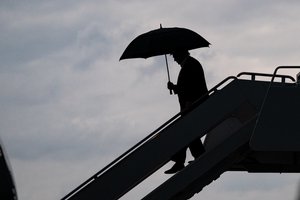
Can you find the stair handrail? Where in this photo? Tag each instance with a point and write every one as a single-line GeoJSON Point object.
{"type": "Point", "coordinates": [253, 74]}
{"type": "Point", "coordinates": [143, 141]}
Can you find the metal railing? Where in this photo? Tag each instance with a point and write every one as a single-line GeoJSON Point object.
{"type": "Point", "coordinates": [146, 139]}
{"type": "Point", "coordinates": [178, 115]}
{"type": "Point", "coordinates": [253, 76]}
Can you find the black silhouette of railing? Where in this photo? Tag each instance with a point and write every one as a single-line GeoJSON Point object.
{"type": "Point", "coordinates": [254, 75]}
{"type": "Point", "coordinates": [176, 117]}
{"type": "Point", "coordinates": [143, 141]}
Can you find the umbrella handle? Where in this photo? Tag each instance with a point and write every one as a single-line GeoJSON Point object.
{"type": "Point", "coordinates": [168, 72]}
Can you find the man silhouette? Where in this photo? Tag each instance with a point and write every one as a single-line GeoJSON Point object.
{"type": "Point", "coordinates": [190, 87]}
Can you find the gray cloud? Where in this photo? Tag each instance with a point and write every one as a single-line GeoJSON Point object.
{"type": "Point", "coordinates": [66, 100]}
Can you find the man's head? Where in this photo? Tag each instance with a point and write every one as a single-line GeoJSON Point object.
{"type": "Point", "coordinates": [180, 55]}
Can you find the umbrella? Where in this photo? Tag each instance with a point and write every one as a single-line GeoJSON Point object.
{"type": "Point", "coordinates": [163, 41]}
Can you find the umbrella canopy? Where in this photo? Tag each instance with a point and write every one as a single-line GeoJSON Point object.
{"type": "Point", "coordinates": [163, 41]}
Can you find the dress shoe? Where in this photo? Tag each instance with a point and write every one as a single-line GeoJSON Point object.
{"type": "Point", "coordinates": [176, 168]}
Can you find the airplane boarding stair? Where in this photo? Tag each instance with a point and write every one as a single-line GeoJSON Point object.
{"type": "Point", "coordinates": [233, 120]}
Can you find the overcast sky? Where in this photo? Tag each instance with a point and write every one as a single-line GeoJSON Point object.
{"type": "Point", "coordinates": [69, 107]}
